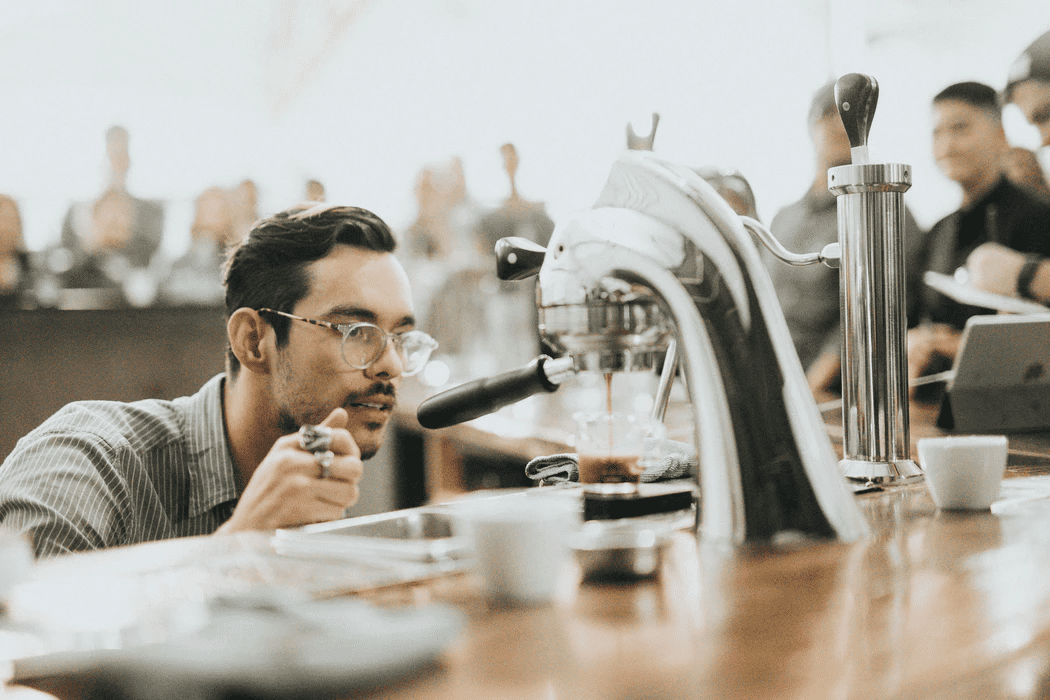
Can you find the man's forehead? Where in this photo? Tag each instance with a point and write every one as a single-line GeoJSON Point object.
{"type": "Point", "coordinates": [959, 112]}
{"type": "Point", "coordinates": [1031, 93]}
{"type": "Point", "coordinates": [358, 282]}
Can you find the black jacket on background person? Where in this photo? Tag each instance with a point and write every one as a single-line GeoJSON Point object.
{"type": "Point", "coordinates": [1007, 215]}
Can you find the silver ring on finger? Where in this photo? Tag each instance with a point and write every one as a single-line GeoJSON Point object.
{"type": "Point", "coordinates": [315, 438]}
{"type": "Point", "coordinates": [324, 461]}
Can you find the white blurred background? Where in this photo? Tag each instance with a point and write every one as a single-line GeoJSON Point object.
{"type": "Point", "coordinates": [362, 94]}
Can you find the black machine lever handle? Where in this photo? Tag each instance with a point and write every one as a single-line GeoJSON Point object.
{"type": "Point", "coordinates": [518, 258]}
{"type": "Point", "coordinates": [484, 396]}
{"type": "Point", "coordinates": [856, 96]}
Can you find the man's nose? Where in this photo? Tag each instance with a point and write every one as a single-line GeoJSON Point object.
{"type": "Point", "coordinates": [389, 364]}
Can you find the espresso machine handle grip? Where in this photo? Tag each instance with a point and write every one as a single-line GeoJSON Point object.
{"type": "Point", "coordinates": [518, 258]}
{"type": "Point", "coordinates": [483, 396]}
{"type": "Point", "coordinates": [856, 95]}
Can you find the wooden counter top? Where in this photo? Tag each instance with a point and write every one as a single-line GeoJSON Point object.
{"type": "Point", "coordinates": [931, 605]}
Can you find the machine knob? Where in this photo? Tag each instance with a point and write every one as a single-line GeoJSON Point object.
{"type": "Point", "coordinates": [518, 258]}
{"type": "Point", "coordinates": [856, 95]}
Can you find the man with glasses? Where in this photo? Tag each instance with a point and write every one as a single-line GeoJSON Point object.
{"type": "Point", "coordinates": [1006, 270]}
{"type": "Point", "coordinates": [320, 331]}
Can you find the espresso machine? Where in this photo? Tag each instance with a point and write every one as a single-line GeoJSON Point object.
{"type": "Point", "coordinates": [661, 261]}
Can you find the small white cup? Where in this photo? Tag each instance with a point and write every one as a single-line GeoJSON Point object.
{"type": "Point", "coordinates": [964, 472]}
{"type": "Point", "coordinates": [521, 544]}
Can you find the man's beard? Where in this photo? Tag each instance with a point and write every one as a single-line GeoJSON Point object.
{"type": "Point", "coordinates": [289, 424]}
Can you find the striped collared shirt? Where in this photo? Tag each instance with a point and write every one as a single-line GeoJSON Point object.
{"type": "Point", "coordinates": [103, 473]}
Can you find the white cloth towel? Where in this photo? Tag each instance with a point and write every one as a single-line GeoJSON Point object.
{"type": "Point", "coordinates": [677, 460]}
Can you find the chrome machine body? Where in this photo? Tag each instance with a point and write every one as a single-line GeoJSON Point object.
{"type": "Point", "coordinates": [876, 439]}
{"type": "Point", "coordinates": [661, 256]}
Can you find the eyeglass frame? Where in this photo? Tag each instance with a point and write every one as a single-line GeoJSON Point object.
{"type": "Point", "coordinates": [345, 329]}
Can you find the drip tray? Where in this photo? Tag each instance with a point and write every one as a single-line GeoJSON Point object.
{"type": "Point", "coordinates": [647, 499]}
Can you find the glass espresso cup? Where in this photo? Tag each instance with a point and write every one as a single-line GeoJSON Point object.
{"type": "Point", "coordinates": [614, 449]}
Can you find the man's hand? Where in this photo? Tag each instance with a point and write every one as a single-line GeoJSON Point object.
{"type": "Point", "coordinates": [994, 268]}
{"type": "Point", "coordinates": [287, 489]}
{"type": "Point", "coordinates": [927, 342]}
{"type": "Point", "coordinates": [824, 372]}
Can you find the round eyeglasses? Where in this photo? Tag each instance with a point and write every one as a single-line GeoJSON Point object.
{"type": "Point", "coordinates": [364, 343]}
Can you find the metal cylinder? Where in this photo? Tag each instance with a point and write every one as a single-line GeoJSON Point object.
{"type": "Point", "coordinates": [876, 441]}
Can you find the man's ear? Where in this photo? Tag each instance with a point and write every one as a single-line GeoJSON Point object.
{"type": "Point", "coordinates": [251, 339]}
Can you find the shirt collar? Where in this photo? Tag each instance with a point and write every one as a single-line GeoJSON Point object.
{"type": "Point", "coordinates": [209, 463]}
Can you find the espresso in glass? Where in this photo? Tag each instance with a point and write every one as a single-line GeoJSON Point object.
{"type": "Point", "coordinates": [609, 469]}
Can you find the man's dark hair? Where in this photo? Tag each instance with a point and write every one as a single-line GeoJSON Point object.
{"type": "Point", "coordinates": [268, 268]}
{"type": "Point", "coordinates": [1032, 64]}
{"type": "Point", "coordinates": [977, 95]}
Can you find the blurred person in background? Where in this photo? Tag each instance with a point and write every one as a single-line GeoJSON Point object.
{"type": "Point", "coordinates": [516, 216]}
{"type": "Point", "coordinates": [809, 296]}
{"type": "Point", "coordinates": [1028, 85]}
{"type": "Point", "coordinates": [971, 149]}
{"type": "Point", "coordinates": [443, 230]}
{"type": "Point", "coordinates": [15, 266]}
{"type": "Point", "coordinates": [441, 242]}
{"type": "Point", "coordinates": [245, 202]}
{"type": "Point", "coordinates": [196, 277]}
{"type": "Point", "coordinates": [998, 268]}
{"type": "Point", "coordinates": [490, 324]}
{"type": "Point", "coordinates": [314, 191]}
{"type": "Point", "coordinates": [320, 330]}
{"type": "Point", "coordinates": [733, 187]}
{"type": "Point", "coordinates": [104, 240]}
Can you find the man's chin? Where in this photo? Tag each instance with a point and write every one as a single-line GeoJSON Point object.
{"type": "Point", "coordinates": [369, 439]}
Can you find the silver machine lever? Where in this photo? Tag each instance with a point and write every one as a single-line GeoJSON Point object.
{"type": "Point", "coordinates": [870, 255]}
{"type": "Point", "coordinates": [870, 200]}
{"type": "Point", "coordinates": [829, 254]}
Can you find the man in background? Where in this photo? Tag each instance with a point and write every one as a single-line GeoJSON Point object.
{"type": "Point", "coordinates": [997, 268]}
{"type": "Point", "coordinates": [971, 149]}
{"type": "Point", "coordinates": [809, 296]}
{"type": "Point", "coordinates": [113, 234]}
{"type": "Point", "coordinates": [1028, 85]}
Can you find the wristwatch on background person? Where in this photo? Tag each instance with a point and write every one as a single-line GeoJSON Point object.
{"type": "Point", "coordinates": [1027, 274]}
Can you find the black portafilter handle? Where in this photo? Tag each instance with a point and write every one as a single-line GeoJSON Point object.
{"type": "Point", "coordinates": [518, 258]}
{"type": "Point", "coordinates": [484, 396]}
{"type": "Point", "coordinates": [856, 96]}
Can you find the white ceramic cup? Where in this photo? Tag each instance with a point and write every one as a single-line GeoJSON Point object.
{"type": "Point", "coordinates": [521, 545]}
{"type": "Point", "coordinates": [964, 472]}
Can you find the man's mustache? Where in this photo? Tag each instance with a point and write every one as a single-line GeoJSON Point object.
{"type": "Point", "coordinates": [377, 389]}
